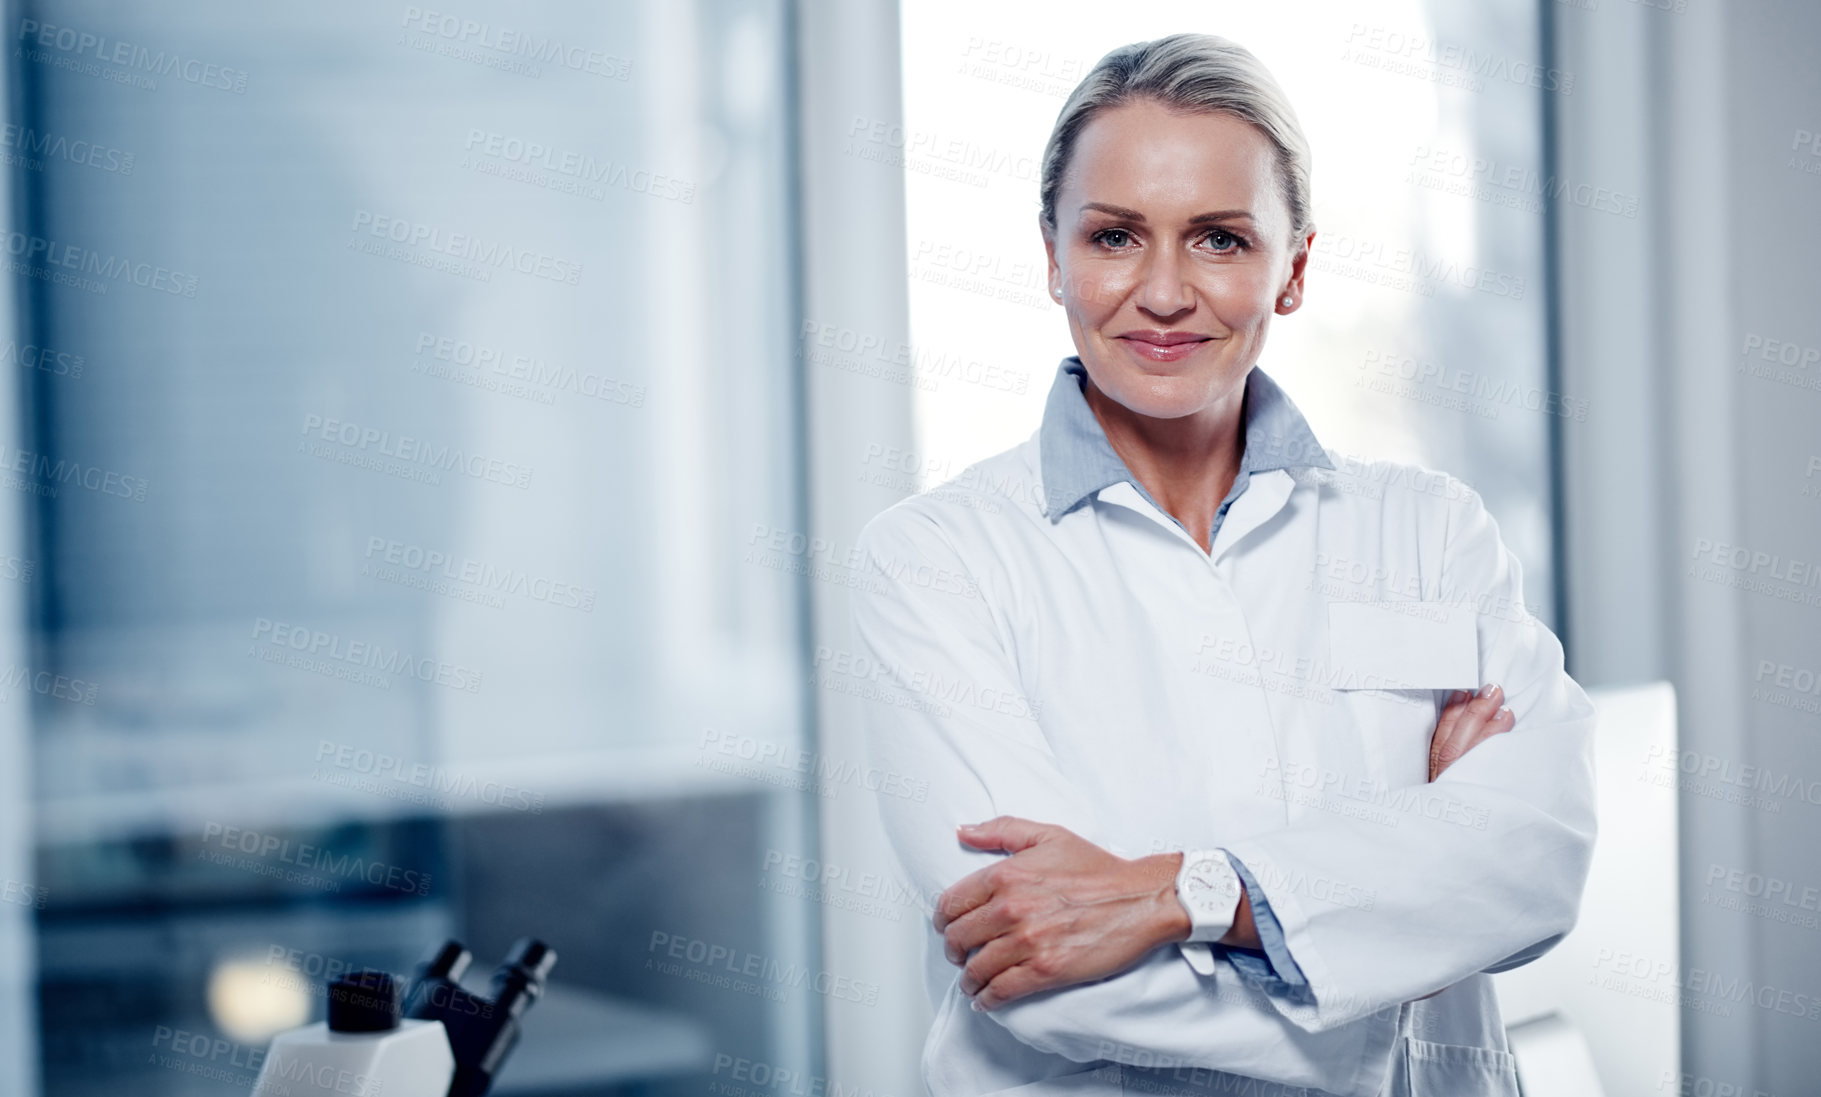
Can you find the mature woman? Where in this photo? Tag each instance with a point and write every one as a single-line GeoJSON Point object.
{"type": "Point", "coordinates": [1213, 840]}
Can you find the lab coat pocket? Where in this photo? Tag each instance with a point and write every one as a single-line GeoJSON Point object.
{"type": "Point", "coordinates": [1387, 660]}
{"type": "Point", "coordinates": [1405, 645]}
{"type": "Point", "coordinates": [1452, 1070]}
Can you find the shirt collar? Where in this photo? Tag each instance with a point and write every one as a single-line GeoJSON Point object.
{"type": "Point", "coordinates": [1077, 460]}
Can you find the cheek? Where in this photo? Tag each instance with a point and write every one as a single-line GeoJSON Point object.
{"type": "Point", "coordinates": [1094, 285]}
{"type": "Point", "coordinates": [1243, 297]}
{"type": "Point", "coordinates": [1092, 293]}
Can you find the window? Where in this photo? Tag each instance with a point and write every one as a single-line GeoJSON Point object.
{"type": "Point", "coordinates": [436, 368]}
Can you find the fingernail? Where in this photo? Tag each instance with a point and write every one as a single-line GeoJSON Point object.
{"type": "Point", "coordinates": [1488, 690]}
{"type": "Point", "coordinates": [978, 1008]}
{"type": "Point", "coordinates": [1505, 712]}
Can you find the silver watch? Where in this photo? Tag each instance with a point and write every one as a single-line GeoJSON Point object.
{"type": "Point", "coordinates": [1209, 890]}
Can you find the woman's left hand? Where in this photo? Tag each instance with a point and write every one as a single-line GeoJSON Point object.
{"type": "Point", "coordinates": [1060, 911]}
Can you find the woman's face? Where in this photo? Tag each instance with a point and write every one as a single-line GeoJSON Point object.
{"type": "Point", "coordinates": [1172, 251]}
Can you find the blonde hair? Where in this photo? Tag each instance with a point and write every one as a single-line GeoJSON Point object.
{"type": "Point", "coordinates": [1187, 72]}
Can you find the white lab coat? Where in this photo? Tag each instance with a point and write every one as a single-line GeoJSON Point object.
{"type": "Point", "coordinates": [1103, 673]}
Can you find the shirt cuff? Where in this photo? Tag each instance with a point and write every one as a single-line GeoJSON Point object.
{"type": "Point", "coordinates": [1275, 971]}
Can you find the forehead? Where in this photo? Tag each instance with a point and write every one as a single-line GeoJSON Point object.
{"type": "Point", "coordinates": [1161, 162]}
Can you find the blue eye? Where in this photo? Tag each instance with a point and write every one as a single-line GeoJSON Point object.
{"type": "Point", "coordinates": [1222, 240]}
{"type": "Point", "coordinates": [1105, 236]}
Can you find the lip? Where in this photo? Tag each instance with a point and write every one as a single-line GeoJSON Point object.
{"type": "Point", "coordinates": [1163, 346]}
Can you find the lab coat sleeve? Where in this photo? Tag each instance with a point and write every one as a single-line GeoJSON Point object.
{"type": "Point", "coordinates": [1484, 867]}
{"type": "Point", "coordinates": [947, 709]}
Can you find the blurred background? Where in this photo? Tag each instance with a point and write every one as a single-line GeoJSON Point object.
{"type": "Point", "coordinates": [436, 438]}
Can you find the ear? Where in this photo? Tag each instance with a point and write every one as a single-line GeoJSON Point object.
{"type": "Point", "coordinates": [1299, 265]}
{"type": "Point", "coordinates": [1049, 251]}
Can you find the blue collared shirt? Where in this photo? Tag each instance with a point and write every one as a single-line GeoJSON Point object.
{"type": "Point", "coordinates": [1078, 461]}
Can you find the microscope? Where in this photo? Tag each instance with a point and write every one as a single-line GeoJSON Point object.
{"type": "Point", "coordinates": [441, 1041]}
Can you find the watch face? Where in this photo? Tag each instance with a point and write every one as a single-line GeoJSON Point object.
{"type": "Point", "coordinates": [1211, 885]}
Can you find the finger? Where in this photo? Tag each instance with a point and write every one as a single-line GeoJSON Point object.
{"type": "Point", "coordinates": [1008, 833]}
{"type": "Point", "coordinates": [1467, 729]}
{"type": "Point", "coordinates": [965, 894]}
{"type": "Point", "coordinates": [975, 928]}
{"type": "Point", "coordinates": [991, 962]}
{"type": "Point", "coordinates": [1476, 710]}
{"type": "Point", "coordinates": [1499, 722]}
{"type": "Point", "coordinates": [1451, 715]}
{"type": "Point", "coordinates": [1013, 983]}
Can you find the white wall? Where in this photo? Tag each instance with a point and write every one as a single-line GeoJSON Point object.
{"type": "Point", "coordinates": [854, 256]}
{"type": "Point", "coordinates": [1698, 109]}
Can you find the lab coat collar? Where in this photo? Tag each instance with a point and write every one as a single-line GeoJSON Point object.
{"type": "Point", "coordinates": [1077, 461]}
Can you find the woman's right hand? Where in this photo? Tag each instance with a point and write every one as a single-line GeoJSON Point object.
{"type": "Point", "coordinates": [1467, 720]}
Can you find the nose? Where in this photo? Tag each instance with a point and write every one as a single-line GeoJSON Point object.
{"type": "Point", "coordinates": [1163, 291]}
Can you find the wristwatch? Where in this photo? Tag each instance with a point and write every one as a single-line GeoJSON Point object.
{"type": "Point", "coordinates": [1209, 890]}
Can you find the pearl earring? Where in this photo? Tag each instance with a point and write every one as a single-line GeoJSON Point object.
{"type": "Point", "coordinates": [1288, 300]}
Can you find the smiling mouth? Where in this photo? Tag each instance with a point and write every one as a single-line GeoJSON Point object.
{"type": "Point", "coordinates": [1164, 346]}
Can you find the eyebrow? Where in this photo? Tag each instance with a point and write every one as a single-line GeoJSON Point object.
{"type": "Point", "coordinates": [1198, 219]}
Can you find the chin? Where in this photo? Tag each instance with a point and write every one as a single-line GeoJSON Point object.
{"type": "Point", "coordinates": [1157, 395]}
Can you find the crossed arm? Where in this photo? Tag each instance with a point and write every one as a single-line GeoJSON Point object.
{"type": "Point", "coordinates": [1061, 911]}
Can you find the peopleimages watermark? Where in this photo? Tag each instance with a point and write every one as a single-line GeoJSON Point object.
{"type": "Point", "coordinates": [268, 854]}
{"type": "Point", "coordinates": [1756, 570]}
{"type": "Point", "coordinates": [331, 439]}
{"type": "Point", "coordinates": [44, 683]}
{"type": "Point", "coordinates": [41, 474]}
{"type": "Point", "coordinates": [1355, 796]}
{"type": "Point", "coordinates": [411, 565]}
{"type": "Point", "coordinates": [1342, 579]}
{"type": "Point", "coordinates": [1704, 1085]}
{"type": "Point", "coordinates": [522, 375]}
{"type": "Point", "coordinates": [1637, 975]}
{"type": "Point", "coordinates": [793, 767]}
{"type": "Point", "coordinates": [1701, 774]}
{"type": "Point", "coordinates": [506, 48]}
{"type": "Point", "coordinates": [566, 170]}
{"type": "Point", "coordinates": [1772, 898]}
{"type": "Point", "coordinates": [1788, 685]}
{"type": "Point", "coordinates": [64, 264]}
{"type": "Point", "coordinates": [206, 1056]}
{"type": "Point", "coordinates": [1808, 142]}
{"type": "Point", "coordinates": [1511, 185]}
{"type": "Point", "coordinates": [939, 155]}
{"type": "Point", "coordinates": [1381, 264]}
{"type": "Point", "coordinates": [58, 363]}
{"type": "Point", "coordinates": [1019, 282]}
{"type": "Point", "coordinates": [921, 688]}
{"type": "Point", "coordinates": [22, 146]}
{"type": "Point", "coordinates": [1416, 54]}
{"type": "Point", "coordinates": [862, 891]}
{"type": "Point", "coordinates": [1017, 66]}
{"type": "Point", "coordinates": [87, 53]}
{"type": "Point", "coordinates": [311, 973]}
{"type": "Point", "coordinates": [24, 895]}
{"type": "Point", "coordinates": [1781, 360]}
{"type": "Point", "coordinates": [772, 1080]}
{"type": "Point", "coordinates": [364, 661]}
{"type": "Point", "coordinates": [897, 361]}
{"type": "Point", "coordinates": [732, 968]}
{"type": "Point", "coordinates": [454, 252]}
{"type": "Point", "coordinates": [910, 473]}
{"type": "Point", "coordinates": [417, 782]}
{"type": "Point", "coordinates": [1472, 391]}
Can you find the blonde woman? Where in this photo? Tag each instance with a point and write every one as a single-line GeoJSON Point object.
{"type": "Point", "coordinates": [1291, 769]}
